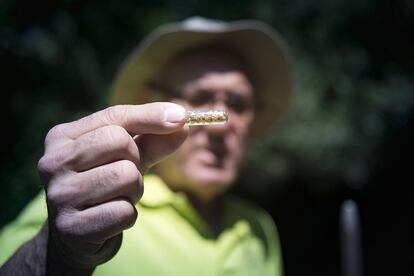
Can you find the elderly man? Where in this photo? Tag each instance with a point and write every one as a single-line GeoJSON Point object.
{"type": "Point", "coordinates": [93, 168]}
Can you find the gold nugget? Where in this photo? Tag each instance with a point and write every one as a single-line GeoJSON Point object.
{"type": "Point", "coordinates": [210, 117]}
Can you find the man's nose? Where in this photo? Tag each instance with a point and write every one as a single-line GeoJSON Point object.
{"type": "Point", "coordinates": [218, 128]}
{"type": "Point", "coordinates": [219, 104]}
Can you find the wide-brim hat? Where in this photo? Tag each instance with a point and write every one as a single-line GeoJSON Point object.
{"type": "Point", "coordinates": [262, 48]}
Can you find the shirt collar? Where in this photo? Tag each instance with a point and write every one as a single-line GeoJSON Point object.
{"type": "Point", "coordinates": [157, 195]}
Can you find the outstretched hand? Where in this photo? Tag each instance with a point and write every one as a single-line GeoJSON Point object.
{"type": "Point", "coordinates": [92, 172]}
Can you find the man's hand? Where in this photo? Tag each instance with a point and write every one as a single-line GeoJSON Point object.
{"type": "Point", "coordinates": [92, 172]}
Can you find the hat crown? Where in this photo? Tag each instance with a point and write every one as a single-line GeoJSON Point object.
{"type": "Point", "coordinates": [198, 23]}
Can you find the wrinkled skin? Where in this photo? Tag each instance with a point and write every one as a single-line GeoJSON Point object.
{"type": "Point", "coordinates": [92, 172]}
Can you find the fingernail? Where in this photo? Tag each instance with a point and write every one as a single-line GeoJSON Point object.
{"type": "Point", "coordinates": [175, 114]}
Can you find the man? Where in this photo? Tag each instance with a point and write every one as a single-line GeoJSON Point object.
{"type": "Point", "coordinates": [93, 168]}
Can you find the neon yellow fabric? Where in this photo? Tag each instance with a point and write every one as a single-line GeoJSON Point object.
{"type": "Point", "coordinates": [170, 238]}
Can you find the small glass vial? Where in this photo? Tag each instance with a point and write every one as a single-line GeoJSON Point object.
{"type": "Point", "coordinates": [210, 117]}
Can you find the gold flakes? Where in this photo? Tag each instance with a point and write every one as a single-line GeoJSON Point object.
{"type": "Point", "coordinates": [210, 117]}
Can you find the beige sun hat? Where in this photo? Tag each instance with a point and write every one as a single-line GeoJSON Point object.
{"type": "Point", "coordinates": [261, 46]}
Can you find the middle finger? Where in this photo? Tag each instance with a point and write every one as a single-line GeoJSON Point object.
{"type": "Point", "coordinates": [104, 145]}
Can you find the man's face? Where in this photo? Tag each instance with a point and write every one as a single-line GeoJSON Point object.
{"type": "Point", "coordinates": [208, 162]}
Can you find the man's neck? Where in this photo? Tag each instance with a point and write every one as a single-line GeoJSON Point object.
{"type": "Point", "coordinates": [210, 211]}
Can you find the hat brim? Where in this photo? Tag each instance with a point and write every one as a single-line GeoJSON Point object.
{"type": "Point", "coordinates": [262, 48]}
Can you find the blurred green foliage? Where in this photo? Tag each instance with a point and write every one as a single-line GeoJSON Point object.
{"type": "Point", "coordinates": [353, 70]}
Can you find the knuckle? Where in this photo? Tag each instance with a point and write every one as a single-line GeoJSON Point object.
{"type": "Point", "coordinates": [67, 226]}
{"type": "Point", "coordinates": [123, 171]}
{"type": "Point", "coordinates": [110, 174]}
{"type": "Point", "coordinates": [116, 113]}
{"type": "Point", "coordinates": [94, 181]}
{"type": "Point", "coordinates": [133, 179]}
{"type": "Point", "coordinates": [104, 179]}
{"type": "Point", "coordinates": [119, 136]}
{"type": "Point", "coordinates": [56, 195]}
{"type": "Point", "coordinates": [44, 166]}
{"type": "Point", "coordinates": [47, 166]}
{"type": "Point", "coordinates": [129, 171]}
{"type": "Point", "coordinates": [50, 163]}
{"type": "Point", "coordinates": [128, 214]}
{"type": "Point", "coordinates": [55, 133]}
{"type": "Point", "coordinates": [125, 174]}
{"type": "Point", "coordinates": [53, 197]}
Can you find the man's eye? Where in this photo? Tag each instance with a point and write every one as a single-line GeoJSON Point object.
{"type": "Point", "coordinates": [199, 98]}
{"type": "Point", "coordinates": [237, 103]}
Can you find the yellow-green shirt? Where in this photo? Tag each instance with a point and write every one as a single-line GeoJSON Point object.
{"type": "Point", "coordinates": [170, 238]}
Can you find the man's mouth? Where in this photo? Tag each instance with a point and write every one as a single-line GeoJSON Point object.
{"type": "Point", "coordinates": [219, 151]}
{"type": "Point", "coordinates": [212, 156]}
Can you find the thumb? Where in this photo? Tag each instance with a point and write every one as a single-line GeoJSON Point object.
{"type": "Point", "coordinates": [156, 147]}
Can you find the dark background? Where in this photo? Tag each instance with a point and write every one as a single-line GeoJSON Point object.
{"type": "Point", "coordinates": [348, 135]}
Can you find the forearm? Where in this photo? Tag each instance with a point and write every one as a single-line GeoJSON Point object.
{"type": "Point", "coordinates": [36, 258]}
{"type": "Point", "coordinates": [30, 258]}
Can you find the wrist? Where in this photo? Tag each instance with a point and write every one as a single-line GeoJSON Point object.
{"type": "Point", "coordinates": [61, 255]}
{"type": "Point", "coordinates": [61, 261]}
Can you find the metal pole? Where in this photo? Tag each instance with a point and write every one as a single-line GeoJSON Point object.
{"type": "Point", "coordinates": [350, 235]}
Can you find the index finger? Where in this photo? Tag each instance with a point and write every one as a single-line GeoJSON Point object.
{"type": "Point", "coordinates": [155, 118]}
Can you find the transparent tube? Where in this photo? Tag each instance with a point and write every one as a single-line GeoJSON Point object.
{"type": "Point", "coordinates": [210, 117]}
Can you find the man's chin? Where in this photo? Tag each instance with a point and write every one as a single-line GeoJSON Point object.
{"type": "Point", "coordinates": [211, 188]}
{"type": "Point", "coordinates": [213, 178]}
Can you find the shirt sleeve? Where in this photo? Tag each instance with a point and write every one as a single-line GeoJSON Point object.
{"type": "Point", "coordinates": [274, 258]}
{"type": "Point", "coordinates": [23, 228]}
